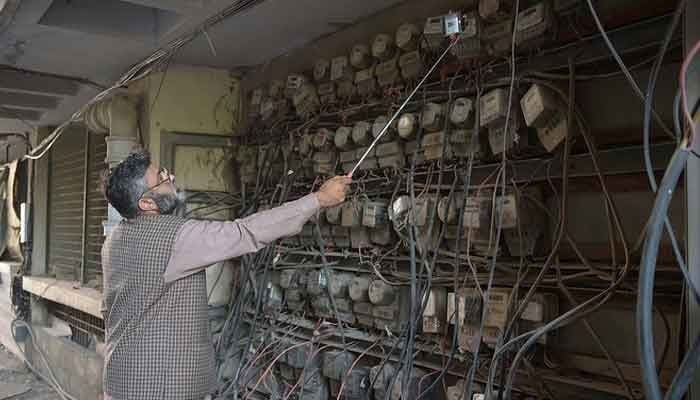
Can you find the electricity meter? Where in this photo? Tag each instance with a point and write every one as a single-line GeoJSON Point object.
{"type": "Point", "coordinates": [256, 98]}
{"type": "Point", "coordinates": [435, 313]}
{"type": "Point", "coordinates": [340, 69]}
{"type": "Point", "coordinates": [380, 124]}
{"type": "Point", "coordinates": [306, 100]}
{"type": "Point", "coordinates": [495, 10]}
{"type": "Point", "coordinates": [365, 82]}
{"type": "Point", "coordinates": [360, 56]}
{"type": "Point", "coordinates": [338, 285]}
{"type": "Point", "coordinates": [539, 106]}
{"type": "Point", "coordinates": [289, 279]}
{"type": "Point", "coordinates": [448, 210]}
{"type": "Point", "coordinates": [533, 23]}
{"type": "Point", "coordinates": [351, 214]}
{"type": "Point", "coordinates": [336, 363]}
{"type": "Point", "coordinates": [326, 93]}
{"type": "Point", "coordinates": [500, 140]}
{"type": "Point", "coordinates": [432, 117]}
{"type": "Point", "coordinates": [348, 159]}
{"type": "Point", "coordinates": [371, 160]}
{"type": "Point", "coordinates": [359, 289]}
{"type": "Point", "coordinates": [411, 65]}
{"type": "Point", "coordinates": [359, 237]}
{"type": "Point", "coordinates": [383, 47]}
{"type": "Point", "coordinates": [382, 236]}
{"type": "Point", "coordinates": [388, 73]}
{"type": "Point", "coordinates": [322, 70]}
{"type": "Point", "coordinates": [374, 214]}
{"type": "Point", "coordinates": [381, 294]}
{"type": "Point", "coordinates": [434, 32]}
{"type": "Point", "coordinates": [469, 45]}
{"type": "Point", "coordinates": [324, 162]}
{"type": "Point", "coordinates": [294, 83]}
{"type": "Point", "coordinates": [554, 132]}
{"type": "Point", "coordinates": [465, 142]}
{"type": "Point", "coordinates": [270, 108]}
{"type": "Point", "coordinates": [436, 146]}
{"type": "Point", "coordinates": [407, 126]}
{"type": "Point", "coordinates": [321, 140]}
{"type": "Point", "coordinates": [391, 155]}
{"type": "Point", "coordinates": [497, 37]}
{"type": "Point", "coordinates": [416, 383]}
{"type": "Point", "coordinates": [276, 89]}
{"type": "Point", "coordinates": [494, 107]}
{"type": "Point", "coordinates": [477, 211]}
{"type": "Point", "coordinates": [461, 112]}
{"type": "Point", "coordinates": [334, 214]}
{"type": "Point", "coordinates": [361, 133]}
{"type": "Point", "coordinates": [317, 282]}
{"type": "Point", "coordinates": [527, 222]}
{"type": "Point", "coordinates": [342, 138]}
{"type": "Point", "coordinates": [346, 89]}
{"type": "Point", "coordinates": [407, 37]}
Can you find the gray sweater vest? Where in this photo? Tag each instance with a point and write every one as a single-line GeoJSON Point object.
{"type": "Point", "coordinates": [158, 340]}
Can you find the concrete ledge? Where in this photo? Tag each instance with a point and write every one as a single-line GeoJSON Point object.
{"type": "Point", "coordinates": [7, 271]}
{"type": "Point", "coordinates": [67, 293]}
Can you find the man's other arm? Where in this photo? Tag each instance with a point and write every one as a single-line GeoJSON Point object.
{"type": "Point", "coordinates": [202, 243]}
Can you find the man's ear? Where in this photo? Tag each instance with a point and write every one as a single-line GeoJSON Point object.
{"type": "Point", "coordinates": [148, 205]}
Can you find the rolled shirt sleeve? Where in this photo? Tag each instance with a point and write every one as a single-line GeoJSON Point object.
{"type": "Point", "coordinates": [202, 243]}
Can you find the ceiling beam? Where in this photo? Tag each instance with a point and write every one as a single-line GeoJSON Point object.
{"type": "Point", "coordinates": [37, 83]}
{"type": "Point", "coordinates": [20, 114]}
{"type": "Point", "coordinates": [177, 6]}
{"type": "Point", "coordinates": [27, 100]}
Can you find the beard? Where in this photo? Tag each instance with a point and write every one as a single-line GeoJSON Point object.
{"type": "Point", "coordinates": [168, 203]}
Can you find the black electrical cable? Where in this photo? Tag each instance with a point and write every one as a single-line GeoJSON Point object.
{"type": "Point", "coordinates": [647, 269]}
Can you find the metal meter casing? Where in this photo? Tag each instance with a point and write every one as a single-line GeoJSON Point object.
{"type": "Point", "coordinates": [407, 126]}
{"type": "Point", "coordinates": [497, 37]}
{"type": "Point", "coordinates": [366, 82]}
{"type": "Point", "coordinates": [360, 57]}
{"type": "Point", "coordinates": [361, 133]}
{"type": "Point", "coordinates": [433, 33]}
{"type": "Point", "coordinates": [432, 117]}
{"type": "Point", "coordinates": [351, 214]}
{"type": "Point", "coordinates": [306, 101]}
{"type": "Point", "coordinates": [388, 73]}
{"type": "Point", "coordinates": [533, 23]}
{"type": "Point", "coordinates": [411, 65]}
{"type": "Point", "coordinates": [494, 107]}
{"type": "Point", "coordinates": [462, 112]}
{"type": "Point", "coordinates": [382, 294]}
{"type": "Point", "coordinates": [407, 36]}
{"type": "Point", "coordinates": [343, 138]}
{"type": "Point", "coordinates": [322, 70]}
{"type": "Point", "coordinates": [383, 47]}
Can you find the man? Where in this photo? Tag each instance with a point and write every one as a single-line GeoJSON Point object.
{"type": "Point", "coordinates": [158, 342]}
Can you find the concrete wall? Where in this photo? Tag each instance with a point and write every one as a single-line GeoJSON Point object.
{"type": "Point", "coordinates": [7, 270]}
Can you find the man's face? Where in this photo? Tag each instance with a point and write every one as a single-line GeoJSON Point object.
{"type": "Point", "coordinates": [161, 197]}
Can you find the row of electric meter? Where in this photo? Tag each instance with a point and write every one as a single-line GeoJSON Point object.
{"type": "Point", "coordinates": [376, 223]}
{"type": "Point", "coordinates": [503, 127]}
{"type": "Point", "coordinates": [371, 303]}
{"type": "Point", "coordinates": [391, 60]}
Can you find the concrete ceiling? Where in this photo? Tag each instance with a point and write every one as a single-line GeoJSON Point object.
{"type": "Point", "coordinates": [98, 40]}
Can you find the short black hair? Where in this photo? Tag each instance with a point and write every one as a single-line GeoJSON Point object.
{"type": "Point", "coordinates": [125, 184]}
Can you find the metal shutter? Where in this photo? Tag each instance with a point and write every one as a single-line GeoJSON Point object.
{"type": "Point", "coordinates": [66, 182]}
{"type": "Point", "coordinates": [96, 209]}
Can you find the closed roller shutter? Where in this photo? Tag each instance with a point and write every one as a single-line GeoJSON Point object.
{"type": "Point", "coordinates": [66, 182]}
{"type": "Point", "coordinates": [96, 209]}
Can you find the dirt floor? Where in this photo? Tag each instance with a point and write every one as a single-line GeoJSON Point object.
{"type": "Point", "coordinates": [15, 378]}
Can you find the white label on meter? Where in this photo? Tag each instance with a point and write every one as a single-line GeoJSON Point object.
{"type": "Point", "coordinates": [492, 106]}
{"type": "Point", "coordinates": [472, 212]}
{"type": "Point", "coordinates": [461, 110]}
{"type": "Point", "coordinates": [338, 67]}
{"type": "Point", "coordinates": [532, 104]}
{"type": "Point", "coordinates": [508, 209]}
{"type": "Point", "coordinates": [530, 17]}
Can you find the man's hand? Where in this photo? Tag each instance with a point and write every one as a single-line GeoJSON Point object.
{"type": "Point", "coordinates": [333, 191]}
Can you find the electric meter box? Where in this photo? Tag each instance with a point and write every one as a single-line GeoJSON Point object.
{"type": "Point", "coordinates": [388, 73]}
{"type": "Point", "coordinates": [333, 214]}
{"type": "Point", "coordinates": [336, 363]}
{"type": "Point", "coordinates": [294, 83]}
{"type": "Point", "coordinates": [360, 57]}
{"type": "Point", "coordinates": [341, 69]}
{"type": "Point", "coordinates": [436, 146]}
{"type": "Point", "coordinates": [359, 237]}
{"type": "Point", "coordinates": [539, 106]}
{"type": "Point", "coordinates": [469, 45]}
{"type": "Point", "coordinates": [462, 112]}
{"type": "Point", "coordinates": [352, 214]}
{"type": "Point", "coordinates": [276, 89]}
{"type": "Point", "coordinates": [449, 208]}
{"type": "Point", "coordinates": [359, 289]}
{"type": "Point", "coordinates": [306, 101]}
{"type": "Point", "coordinates": [365, 82]}
{"type": "Point", "coordinates": [411, 65]}
{"type": "Point", "coordinates": [338, 285]}
{"type": "Point", "coordinates": [383, 47]}
{"type": "Point", "coordinates": [361, 133]}
{"type": "Point", "coordinates": [407, 36]}
{"type": "Point", "coordinates": [407, 126]}
{"type": "Point", "coordinates": [375, 214]}
{"type": "Point", "coordinates": [326, 93]}
{"type": "Point", "coordinates": [465, 142]}
{"type": "Point", "coordinates": [342, 139]}
{"type": "Point", "coordinates": [497, 37]}
{"type": "Point", "coordinates": [533, 23]}
{"type": "Point", "coordinates": [346, 89]}
{"type": "Point", "coordinates": [433, 33]}
{"type": "Point", "coordinates": [435, 312]}
{"type": "Point", "coordinates": [322, 70]}
{"type": "Point", "coordinates": [432, 117]}
{"type": "Point", "coordinates": [494, 107]}
{"type": "Point", "coordinates": [317, 282]}
{"type": "Point", "coordinates": [495, 10]}
{"type": "Point", "coordinates": [379, 125]}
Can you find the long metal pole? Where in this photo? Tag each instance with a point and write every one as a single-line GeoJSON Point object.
{"type": "Point", "coordinates": [453, 42]}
